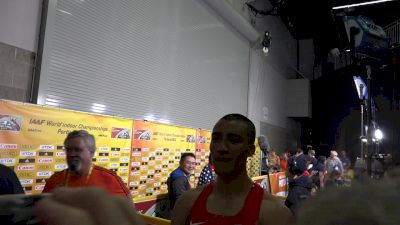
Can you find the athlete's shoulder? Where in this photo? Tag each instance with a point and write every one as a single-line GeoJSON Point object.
{"type": "Point", "coordinates": [273, 211]}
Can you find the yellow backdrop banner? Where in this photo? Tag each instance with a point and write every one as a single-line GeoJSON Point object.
{"type": "Point", "coordinates": [31, 141]}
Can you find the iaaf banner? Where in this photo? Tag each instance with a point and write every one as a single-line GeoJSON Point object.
{"type": "Point", "coordinates": [31, 141]}
{"type": "Point", "coordinates": [156, 151]}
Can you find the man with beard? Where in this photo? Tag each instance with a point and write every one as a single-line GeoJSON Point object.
{"type": "Point", "coordinates": [233, 198]}
{"type": "Point", "coordinates": [80, 147]}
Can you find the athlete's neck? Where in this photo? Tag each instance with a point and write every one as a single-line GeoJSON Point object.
{"type": "Point", "coordinates": [233, 186]}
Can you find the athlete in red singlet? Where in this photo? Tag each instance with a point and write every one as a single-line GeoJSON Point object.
{"type": "Point", "coordinates": [233, 198]}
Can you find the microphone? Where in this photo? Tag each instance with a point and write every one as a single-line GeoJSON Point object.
{"type": "Point", "coordinates": [263, 143]}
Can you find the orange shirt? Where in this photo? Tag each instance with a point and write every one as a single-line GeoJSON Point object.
{"type": "Point", "coordinates": [100, 177]}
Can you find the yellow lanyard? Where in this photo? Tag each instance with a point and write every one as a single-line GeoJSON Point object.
{"type": "Point", "coordinates": [87, 177]}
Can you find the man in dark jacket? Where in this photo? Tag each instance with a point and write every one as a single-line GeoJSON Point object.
{"type": "Point", "coordinates": [178, 180]}
{"type": "Point", "coordinates": [9, 183]}
{"type": "Point", "coordinates": [299, 184]}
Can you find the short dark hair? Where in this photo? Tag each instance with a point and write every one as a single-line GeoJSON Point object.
{"type": "Point", "coordinates": [186, 154]}
{"type": "Point", "coordinates": [87, 138]}
{"type": "Point", "coordinates": [251, 129]}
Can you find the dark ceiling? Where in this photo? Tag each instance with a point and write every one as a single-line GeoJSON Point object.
{"type": "Point", "coordinates": [310, 18]}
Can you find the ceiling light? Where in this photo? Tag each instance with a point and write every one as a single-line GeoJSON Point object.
{"type": "Point", "coordinates": [360, 4]}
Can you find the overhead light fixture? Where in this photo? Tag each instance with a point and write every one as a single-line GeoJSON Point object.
{"type": "Point", "coordinates": [52, 102]}
{"type": "Point", "coordinates": [360, 4]}
{"type": "Point", "coordinates": [266, 42]}
{"type": "Point", "coordinates": [150, 117]}
{"type": "Point", "coordinates": [98, 108]}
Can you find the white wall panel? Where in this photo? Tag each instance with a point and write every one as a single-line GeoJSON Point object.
{"type": "Point", "coordinates": [168, 58]}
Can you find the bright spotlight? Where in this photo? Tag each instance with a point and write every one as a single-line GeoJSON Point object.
{"type": "Point", "coordinates": [378, 134]}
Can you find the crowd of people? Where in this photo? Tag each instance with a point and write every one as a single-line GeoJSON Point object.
{"type": "Point", "coordinates": [88, 194]}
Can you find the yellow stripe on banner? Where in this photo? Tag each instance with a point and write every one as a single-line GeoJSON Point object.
{"type": "Point", "coordinates": [150, 220]}
{"type": "Point", "coordinates": [148, 198]}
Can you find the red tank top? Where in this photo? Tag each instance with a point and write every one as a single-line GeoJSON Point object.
{"type": "Point", "coordinates": [248, 215]}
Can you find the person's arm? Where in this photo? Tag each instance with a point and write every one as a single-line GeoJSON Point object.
{"type": "Point", "coordinates": [179, 186]}
{"type": "Point", "coordinates": [321, 179]}
{"type": "Point", "coordinates": [85, 206]}
{"type": "Point", "coordinates": [183, 206]}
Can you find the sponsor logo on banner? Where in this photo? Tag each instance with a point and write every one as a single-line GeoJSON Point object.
{"type": "Point", "coordinates": [197, 167]}
{"type": "Point", "coordinates": [165, 162]}
{"type": "Point", "coordinates": [39, 187]}
{"type": "Point", "coordinates": [59, 160]}
{"type": "Point", "coordinates": [43, 180]}
{"type": "Point", "coordinates": [60, 147]}
{"type": "Point", "coordinates": [114, 159]}
{"type": "Point", "coordinates": [149, 190]}
{"type": "Point", "coordinates": [171, 158]}
{"type": "Point", "coordinates": [10, 122]}
{"type": "Point", "coordinates": [171, 166]}
{"type": "Point", "coordinates": [115, 154]}
{"type": "Point", "coordinates": [103, 149]}
{"type": "Point", "coordinates": [44, 167]}
{"type": "Point", "coordinates": [103, 154]}
{"type": "Point", "coordinates": [157, 184]}
{"type": "Point", "coordinates": [145, 149]}
{"type": "Point", "coordinates": [123, 170]}
{"type": "Point", "coordinates": [8, 146]}
{"type": "Point", "coordinates": [152, 154]}
{"type": "Point", "coordinates": [158, 166]}
{"type": "Point", "coordinates": [121, 133]}
{"type": "Point", "coordinates": [151, 163]}
{"type": "Point", "coordinates": [124, 159]}
{"type": "Point", "coordinates": [134, 192]}
{"type": "Point", "coordinates": [103, 159]}
{"type": "Point", "coordinates": [197, 174]}
{"type": "Point", "coordinates": [156, 192]}
{"type": "Point", "coordinates": [282, 181]}
{"type": "Point", "coordinates": [137, 154]}
{"type": "Point", "coordinates": [124, 179]}
{"type": "Point", "coordinates": [60, 153]}
{"type": "Point", "coordinates": [114, 164]}
{"type": "Point", "coordinates": [26, 181]}
{"type": "Point", "coordinates": [133, 183]}
{"type": "Point", "coordinates": [25, 174]}
{"type": "Point", "coordinates": [123, 164]}
{"type": "Point", "coordinates": [46, 153]}
{"type": "Point", "coordinates": [157, 175]}
{"type": "Point", "coordinates": [191, 138]}
{"type": "Point", "coordinates": [27, 160]}
{"type": "Point", "coordinates": [198, 160]}
{"type": "Point", "coordinates": [150, 172]}
{"type": "Point", "coordinates": [144, 168]}
{"type": "Point", "coordinates": [114, 170]}
{"type": "Point", "coordinates": [164, 170]}
{"type": "Point", "coordinates": [135, 173]}
{"type": "Point", "coordinates": [115, 149]}
{"type": "Point", "coordinates": [145, 159]}
{"type": "Point", "coordinates": [164, 179]}
{"type": "Point", "coordinates": [163, 187]}
{"type": "Point", "coordinates": [142, 186]}
{"type": "Point", "coordinates": [143, 177]}
{"type": "Point", "coordinates": [46, 147]}
{"type": "Point", "coordinates": [126, 149]}
{"type": "Point", "coordinates": [45, 160]}
{"type": "Point", "coordinates": [28, 188]}
{"type": "Point", "coordinates": [125, 154]}
{"type": "Point", "coordinates": [27, 153]}
{"type": "Point", "coordinates": [159, 158]}
{"type": "Point", "coordinates": [43, 173]}
{"type": "Point", "coordinates": [135, 164]}
{"type": "Point", "coordinates": [142, 135]}
{"type": "Point", "coordinates": [7, 161]}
